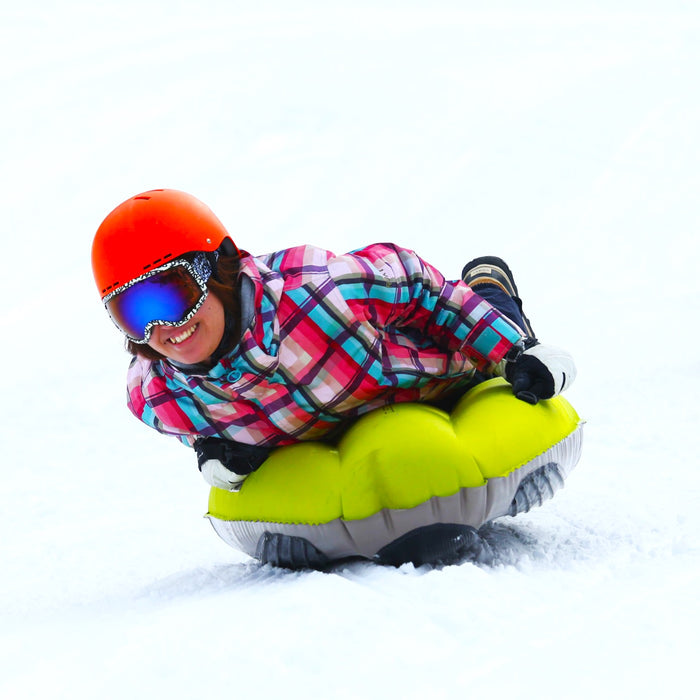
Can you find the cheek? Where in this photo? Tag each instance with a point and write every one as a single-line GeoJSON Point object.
{"type": "Point", "coordinates": [213, 315]}
{"type": "Point", "coordinates": [155, 341]}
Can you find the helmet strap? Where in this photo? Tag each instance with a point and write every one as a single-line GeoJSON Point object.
{"type": "Point", "coordinates": [228, 249]}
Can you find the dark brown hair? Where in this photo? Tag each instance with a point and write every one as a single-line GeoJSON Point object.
{"type": "Point", "coordinates": [223, 285]}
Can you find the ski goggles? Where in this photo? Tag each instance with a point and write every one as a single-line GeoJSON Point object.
{"type": "Point", "coordinates": [167, 296]}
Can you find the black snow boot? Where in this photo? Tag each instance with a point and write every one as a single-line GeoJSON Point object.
{"type": "Point", "coordinates": [490, 270]}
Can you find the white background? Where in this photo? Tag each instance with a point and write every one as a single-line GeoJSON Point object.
{"type": "Point", "coordinates": [565, 141]}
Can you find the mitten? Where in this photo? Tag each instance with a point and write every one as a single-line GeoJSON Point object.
{"type": "Point", "coordinates": [540, 372]}
{"type": "Point", "coordinates": [225, 464]}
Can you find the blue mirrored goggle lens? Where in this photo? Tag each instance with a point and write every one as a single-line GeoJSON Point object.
{"type": "Point", "coordinates": [166, 297]}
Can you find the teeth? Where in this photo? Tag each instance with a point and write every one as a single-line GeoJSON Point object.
{"type": "Point", "coordinates": [183, 336]}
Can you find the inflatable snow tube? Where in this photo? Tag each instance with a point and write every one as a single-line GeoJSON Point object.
{"type": "Point", "coordinates": [407, 482]}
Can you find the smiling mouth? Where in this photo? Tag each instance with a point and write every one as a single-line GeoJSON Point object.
{"type": "Point", "coordinates": [182, 337]}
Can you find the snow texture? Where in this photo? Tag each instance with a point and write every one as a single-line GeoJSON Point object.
{"type": "Point", "coordinates": [561, 136]}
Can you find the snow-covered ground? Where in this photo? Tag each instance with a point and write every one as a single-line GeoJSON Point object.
{"type": "Point", "coordinates": [565, 140]}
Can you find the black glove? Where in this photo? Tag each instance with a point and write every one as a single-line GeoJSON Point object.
{"type": "Point", "coordinates": [540, 372]}
{"type": "Point", "coordinates": [225, 464]}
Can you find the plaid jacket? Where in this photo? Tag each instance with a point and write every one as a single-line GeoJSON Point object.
{"type": "Point", "coordinates": [332, 337]}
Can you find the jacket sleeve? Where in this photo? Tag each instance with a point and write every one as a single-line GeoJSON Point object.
{"type": "Point", "coordinates": [394, 287]}
{"type": "Point", "coordinates": [172, 408]}
{"type": "Point", "coordinates": [161, 411]}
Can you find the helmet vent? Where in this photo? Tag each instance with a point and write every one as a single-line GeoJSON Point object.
{"type": "Point", "coordinates": [158, 261]}
{"type": "Point", "coordinates": [155, 263]}
{"type": "Point", "coordinates": [142, 197]}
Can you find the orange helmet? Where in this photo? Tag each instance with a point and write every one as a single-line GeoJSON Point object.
{"type": "Point", "coordinates": [149, 230]}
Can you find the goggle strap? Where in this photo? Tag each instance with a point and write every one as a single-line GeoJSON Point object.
{"type": "Point", "coordinates": [204, 264]}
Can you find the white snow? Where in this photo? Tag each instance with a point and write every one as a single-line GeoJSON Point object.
{"type": "Point", "coordinates": [561, 136]}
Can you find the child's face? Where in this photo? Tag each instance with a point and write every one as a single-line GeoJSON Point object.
{"type": "Point", "coordinates": [197, 339]}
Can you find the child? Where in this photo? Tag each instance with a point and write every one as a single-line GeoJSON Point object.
{"type": "Point", "coordinates": [236, 354]}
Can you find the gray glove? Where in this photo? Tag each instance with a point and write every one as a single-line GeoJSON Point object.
{"type": "Point", "coordinates": [225, 464]}
{"type": "Point", "coordinates": [540, 372]}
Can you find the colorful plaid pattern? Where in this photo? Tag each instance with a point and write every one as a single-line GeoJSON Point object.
{"type": "Point", "coordinates": [333, 337]}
